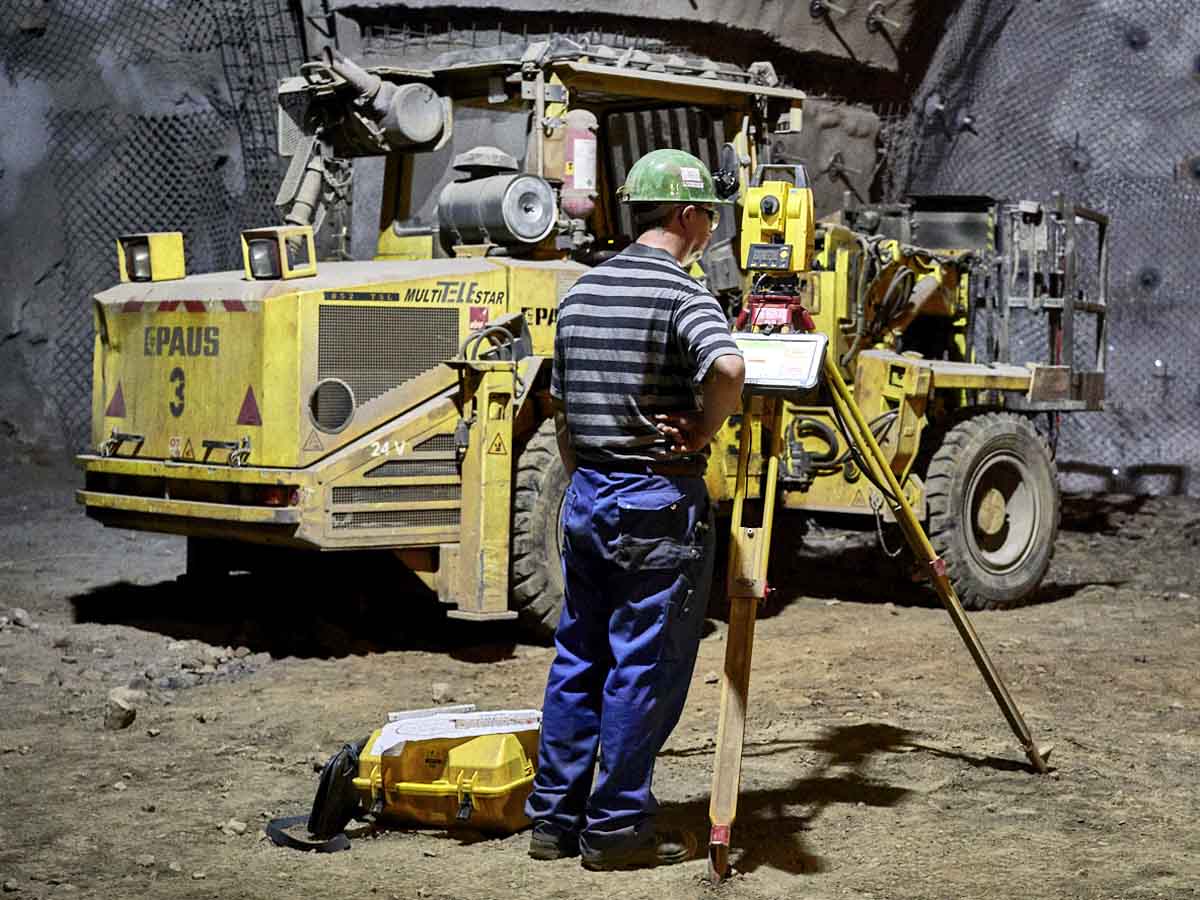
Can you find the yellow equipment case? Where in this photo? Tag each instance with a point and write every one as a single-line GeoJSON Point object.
{"type": "Point", "coordinates": [458, 769]}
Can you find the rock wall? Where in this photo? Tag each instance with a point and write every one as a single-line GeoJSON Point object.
{"type": "Point", "coordinates": [863, 50]}
{"type": "Point", "coordinates": [119, 117]}
{"type": "Point", "coordinates": [1099, 99]}
{"type": "Point", "coordinates": [31, 278]}
{"type": "Point", "coordinates": [850, 33]}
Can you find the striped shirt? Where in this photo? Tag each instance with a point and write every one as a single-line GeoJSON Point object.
{"type": "Point", "coordinates": [636, 335]}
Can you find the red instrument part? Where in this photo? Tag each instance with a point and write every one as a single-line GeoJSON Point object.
{"type": "Point", "coordinates": [776, 312]}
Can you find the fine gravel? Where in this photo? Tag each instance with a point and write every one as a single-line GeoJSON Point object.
{"type": "Point", "coordinates": [877, 765]}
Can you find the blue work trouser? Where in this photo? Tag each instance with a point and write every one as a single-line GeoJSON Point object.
{"type": "Point", "coordinates": [637, 564]}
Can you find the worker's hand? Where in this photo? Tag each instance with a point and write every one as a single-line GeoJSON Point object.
{"type": "Point", "coordinates": [684, 430]}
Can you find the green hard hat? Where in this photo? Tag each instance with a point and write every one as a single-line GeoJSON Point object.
{"type": "Point", "coordinates": [669, 176]}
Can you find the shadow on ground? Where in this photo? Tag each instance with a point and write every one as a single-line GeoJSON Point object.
{"type": "Point", "coordinates": [317, 606]}
{"type": "Point", "coordinates": [1098, 514]}
{"type": "Point", "coordinates": [841, 558]}
{"type": "Point", "coordinates": [366, 603]}
{"type": "Point", "coordinates": [771, 821]}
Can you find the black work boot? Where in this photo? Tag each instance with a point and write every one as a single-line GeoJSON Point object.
{"type": "Point", "coordinates": [549, 841]}
{"type": "Point", "coordinates": [665, 848]}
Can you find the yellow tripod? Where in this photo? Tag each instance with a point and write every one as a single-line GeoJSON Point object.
{"type": "Point", "coordinates": [747, 582]}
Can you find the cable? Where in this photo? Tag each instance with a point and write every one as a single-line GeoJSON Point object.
{"type": "Point", "coordinates": [893, 299]}
{"type": "Point", "coordinates": [503, 342]}
{"type": "Point", "coordinates": [827, 434]}
{"type": "Point", "coordinates": [853, 449]}
{"type": "Point", "coordinates": [869, 244]}
{"type": "Point", "coordinates": [891, 415]}
{"type": "Point", "coordinates": [502, 339]}
{"type": "Point", "coordinates": [876, 507]}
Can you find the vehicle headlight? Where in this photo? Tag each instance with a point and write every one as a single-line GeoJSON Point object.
{"type": "Point", "coordinates": [281, 251]}
{"type": "Point", "coordinates": [137, 255]}
{"type": "Point", "coordinates": [264, 258]}
{"type": "Point", "coordinates": [150, 256]}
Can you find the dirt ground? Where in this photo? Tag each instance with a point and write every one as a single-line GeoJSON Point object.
{"type": "Point", "coordinates": [877, 764]}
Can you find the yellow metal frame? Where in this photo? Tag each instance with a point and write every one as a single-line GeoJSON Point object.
{"type": "Point", "coordinates": [254, 515]}
{"type": "Point", "coordinates": [481, 583]}
{"type": "Point", "coordinates": [166, 255]}
{"type": "Point", "coordinates": [403, 246]}
{"type": "Point", "coordinates": [282, 235]}
{"type": "Point", "coordinates": [614, 82]}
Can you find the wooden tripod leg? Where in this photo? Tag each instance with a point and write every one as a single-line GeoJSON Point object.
{"type": "Point", "coordinates": [874, 458]}
{"type": "Point", "coordinates": [749, 552]}
{"type": "Point", "coordinates": [731, 732]}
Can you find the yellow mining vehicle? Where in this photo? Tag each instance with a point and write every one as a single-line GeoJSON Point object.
{"type": "Point", "coordinates": [401, 404]}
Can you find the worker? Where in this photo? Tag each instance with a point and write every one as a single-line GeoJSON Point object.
{"type": "Point", "coordinates": [645, 373]}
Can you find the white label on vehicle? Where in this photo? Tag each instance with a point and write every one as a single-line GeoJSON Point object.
{"type": "Point", "coordinates": [175, 447]}
{"type": "Point", "coordinates": [585, 164]}
{"type": "Point", "coordinates": [691, 177]}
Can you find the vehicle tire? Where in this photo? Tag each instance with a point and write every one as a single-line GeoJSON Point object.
{"type": "Point", "coordinates": [537, 580]}
{"type": "Point", "coordinates": [993, 498]}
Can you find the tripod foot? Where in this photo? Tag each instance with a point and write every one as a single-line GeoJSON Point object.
{"type": "Point", "coordinates": [1039, 756]}
{"type": "Point", "coordinates": [718, 853]}
{"type": "Point", "coordinates": [718, 862]}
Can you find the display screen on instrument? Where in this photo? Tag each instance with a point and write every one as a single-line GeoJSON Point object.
{"type": "Point", "coordinates": [782, 362]}
{"type": "Point", "coordinates": [769, 256]}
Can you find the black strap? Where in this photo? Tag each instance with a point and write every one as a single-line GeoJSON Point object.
{"type": "Point", "coordinates": [278, 830]}
{"type": "Point", "coordinates": [336, 802]}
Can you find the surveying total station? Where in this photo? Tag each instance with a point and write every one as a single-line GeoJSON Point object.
{"type": "Point", "coordinates": [786, 361]}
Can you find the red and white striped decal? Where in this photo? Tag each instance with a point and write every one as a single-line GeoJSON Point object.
{"type": "Point", "coordinates": [192, 306]}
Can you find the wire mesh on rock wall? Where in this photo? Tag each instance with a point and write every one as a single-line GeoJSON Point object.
{"type": "Point", "coordinates": [176, 132]}
{"type": "Point", "coordinates": [1099, 99]}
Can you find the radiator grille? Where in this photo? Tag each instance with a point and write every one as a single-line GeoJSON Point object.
{"type": "Point", "coordinates": [631, 135]}
{"type": "Point", "coordinates": [400, 468]}
{"type": "Point", "coordinates": [397, 493]}
{"type": "Point", "coordinates": [406, 518]}
{"type": "Point", "coordinates": [374, 349]}
{"type": "Point", "coordinates": [439, 443]}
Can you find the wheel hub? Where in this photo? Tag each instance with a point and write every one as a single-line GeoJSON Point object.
{"type": "Point", "coordinates": [992, 513]}
{"type": "Point", "coordinates": [1003, 511]}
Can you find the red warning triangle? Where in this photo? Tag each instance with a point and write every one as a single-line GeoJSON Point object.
{"type": "Point", "coordinates": [116, 406]}
{"type": "Point", "coordinates": [249, 414]}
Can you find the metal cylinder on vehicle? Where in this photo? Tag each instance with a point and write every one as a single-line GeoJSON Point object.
{"type": "Point", "coordinates": [409, 114]}
{"type": "Point", "coordinates": [414, 114]}
{"type": "Point", "coordinates": [500, 209]}
{"type": "Point", "coordinates": [579, 178]}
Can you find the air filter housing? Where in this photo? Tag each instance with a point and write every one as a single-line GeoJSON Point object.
{"type": "Point", "coordinates": [508, 210]}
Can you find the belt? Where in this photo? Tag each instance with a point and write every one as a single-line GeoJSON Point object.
{"type": "Point", "coordinates": [669, 469]}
